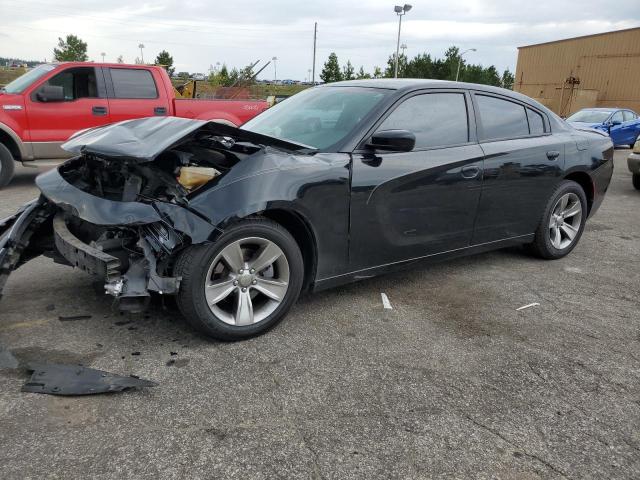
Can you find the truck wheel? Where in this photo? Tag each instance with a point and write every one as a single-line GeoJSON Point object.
{"type": "Point", "coordinates": [636, 181]}
{"type": "Point", "coordinates": [7, 165]}
{"type": "Point", "coordinates": [243, 284]}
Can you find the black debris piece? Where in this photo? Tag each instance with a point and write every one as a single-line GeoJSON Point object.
{"type": "Point", "coordinates": [7, 360]}
{"type": "Point", "coordinates": [173, 353]}
{"type": "Point", "coordinates": [123, 322]}
{"type": "Point", "coordinates": [77, 380]}
{"type": "Point", "coordinates": [132, 328]}
{"type": "Point", "coordinates": [179, 363]}
{"type": "Point", "coordinates": [135, 354]}
{"type": "Point", "coordinates": [51, 307]}
{"type": "Point", "coordinates": [72, 318]}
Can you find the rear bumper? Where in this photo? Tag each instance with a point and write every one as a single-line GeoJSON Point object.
{"type": "Point", "coordinates": [633, 162]}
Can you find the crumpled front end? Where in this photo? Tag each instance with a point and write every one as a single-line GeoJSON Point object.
{"type": "Point", "coordinates": [121, 210]}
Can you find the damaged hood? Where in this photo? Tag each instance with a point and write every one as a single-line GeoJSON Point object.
{"type": "Point", "coordinates": [144, 139]}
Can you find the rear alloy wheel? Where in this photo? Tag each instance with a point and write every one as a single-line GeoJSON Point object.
{"type": "Point", "coordinates": [636, 181]}
{"type": "Point", "coordinates": [563, 222]}
{"type": "Point", "coordinates": [7, 164]}
{"type": "Point", "coordinates": [243, 284]}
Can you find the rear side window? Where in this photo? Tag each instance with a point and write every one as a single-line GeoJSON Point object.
{"type": "Point", "coordinates": [133, 83]}
{"type": "Point", "coordinates": [436, 119]}
{"type": "Point", "coordinates": [628, 115]}
{"type": "Point", "coordinates": [502, 119]}
{"type": "Point", "coordinates": [536, 122]}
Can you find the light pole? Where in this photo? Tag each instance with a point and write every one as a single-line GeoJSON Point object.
{"type": "Point", "coordinates": [103, 55]}
{"type": "Point", "coordinates": [275, 69]}
{"type": "Point", "coordinates": [460, 60]}
{"type": "Point", "coordinates": [400, 11]}
{"type": "Point", "coordinates": [141, 46]}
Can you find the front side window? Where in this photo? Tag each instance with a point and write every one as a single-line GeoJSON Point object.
{"type": "Point", "coordinates": [133, 83]}
{"type": "Point", "coordinates": [502, 119]}
{"type": "Point", "coordinates": [617, 117]}
{"type": "Point", "coordinates": [318, 117]}
{"type": "Point", "coordinates": [76, 83]}
{"type": "Point", "coordinates": [436, 119]}
{"type": "Point", "coordinates": [628, 115]}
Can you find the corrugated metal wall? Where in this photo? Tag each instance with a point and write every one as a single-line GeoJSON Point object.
{"type": "Point", "coordinates": [608, 65]}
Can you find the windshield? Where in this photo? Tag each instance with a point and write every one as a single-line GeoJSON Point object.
{"type": "Point", "coordinates": [318, 117]}
{"type": "Point", "coordinates": [589, 116]}
{"type": "Point", "coordinates": [23, 81]}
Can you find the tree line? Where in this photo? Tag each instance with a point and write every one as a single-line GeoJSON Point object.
{"type": "Point", "coordinates": [422, 65]}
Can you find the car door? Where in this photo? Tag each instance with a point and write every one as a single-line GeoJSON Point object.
{"type": "Point", "coordinates": [522, 165]}
{"type": "Point", "coordinates": [616, 128]}
{"type": "Point", "coordinates": [84, 106]}
{"type": "Point", "coordinates": [134, 92]}
{"type": "Point", "coordinates": [630, 127]}
{"type": "Point", "coordinates": [413, 204]}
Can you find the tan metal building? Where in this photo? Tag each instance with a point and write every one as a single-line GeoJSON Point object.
{"type": "Point", "coordinates": [601, 70]}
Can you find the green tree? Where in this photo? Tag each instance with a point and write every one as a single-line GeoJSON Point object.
{"type": "Point", "coordinates": [377, 72]}
{"type": "Point", "coordinates": [72, 49]}
{"type": "Point", "coordinates": [348, 71]}
{"type": "Point", "coordinates": [362, 74]}
{"type": "Point", "coordinates": [331, 69]}
{"type": "Point", "coordinates": [166, 61]}
{"type": "Point", "coordinates": [389, 72]}
{"type": "Point", "coordinates": [507, 79]}
{"type": "Point", "coordinates": [120, 59]}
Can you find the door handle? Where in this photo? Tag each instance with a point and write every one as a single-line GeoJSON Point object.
{"type": "Point", "coordinates": [99, 111]}
{"type": "Point", "coordinates": [553, 154]}
{"type": "Point", "coordinates": [470, 171]}
{"type": "Point", "coordinates": [160, 111]}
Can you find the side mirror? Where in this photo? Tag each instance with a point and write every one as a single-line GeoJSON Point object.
{"type": "Point", "coordinates": [613, 123]}
{"type": "Point", "coordinates": [393, 140]}
{"type": "Point", "coordinates": [50, 93]}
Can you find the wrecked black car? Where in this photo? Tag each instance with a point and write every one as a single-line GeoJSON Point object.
{"type": "Point", "coordinates": [335, 184]}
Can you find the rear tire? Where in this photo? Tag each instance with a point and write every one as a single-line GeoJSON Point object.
{"type": "Point", "coordinates": [636, 181]}
{"type": "Point", "coordinates": [224, 297]}
{"type": "Point", "coordinates": [7, 166]}
{"type": "Point", "coordinates": [562, 223]}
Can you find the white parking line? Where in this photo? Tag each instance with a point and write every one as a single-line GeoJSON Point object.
{"type": "Point", "coordinates": [535, 304]}
{"type": "Point", "coordinates": [385, 301]}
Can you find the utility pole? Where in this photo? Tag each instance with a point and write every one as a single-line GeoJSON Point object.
{"type": "Point", "coordinates": [315, 39]}
{"type": "Point", "coordinates": [275, 69]}
{"type": "Point", "coordinates": [103, 55]}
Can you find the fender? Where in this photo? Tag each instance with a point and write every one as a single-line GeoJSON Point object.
{"type": "Point", "coordinates": [25, 149]}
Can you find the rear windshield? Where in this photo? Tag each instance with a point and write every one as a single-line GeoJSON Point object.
{"type": "Point", "coordinates": [318, 117]}
{"type": "Point", "coordinates": [589, 116]}
{"type": "Point", "coordinates": [23, 81]}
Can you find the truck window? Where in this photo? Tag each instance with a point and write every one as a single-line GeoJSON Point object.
{"type": "Point", "coordinates": [133, 83]}
{"type": "Point", "coordinates": [76, 83]}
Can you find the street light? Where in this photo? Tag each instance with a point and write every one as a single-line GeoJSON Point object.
{"type": "Point", "coordinates": [460, 60]}
{"type": "Point", "coordinates": [275, 69]}
{"type": "Point", "coordinates": [141, 46]}
{"type": "Point", "coordinates": [400, 11]}
{"type": "Point", "coordinates": [103, 54]}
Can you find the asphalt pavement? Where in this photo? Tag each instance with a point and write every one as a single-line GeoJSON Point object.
{"type": "Point", "coordinates": [451, 382]}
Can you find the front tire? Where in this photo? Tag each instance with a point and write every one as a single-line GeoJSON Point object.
{"type": "Point", "coordinates": [636, 181]}
{"type": "Point", "coordinates": [243, 284]}
{"type": "Point", "coordinates": [562, 223]}
{"type": "Point", "coordinates": [7, 166]}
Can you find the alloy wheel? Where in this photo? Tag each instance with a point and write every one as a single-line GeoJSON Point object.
{"type": "Point", "coordinates": [565, 221]}
{"type": "Point", "coordinates": [247, 281]}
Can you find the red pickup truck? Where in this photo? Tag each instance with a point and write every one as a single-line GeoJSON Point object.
{"type": "Point", "coordinates": [41, 109]}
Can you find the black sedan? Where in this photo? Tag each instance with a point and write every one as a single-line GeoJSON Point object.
{"type": "Point", "coordinates": [338, 183]}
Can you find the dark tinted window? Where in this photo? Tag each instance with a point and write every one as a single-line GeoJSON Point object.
{"type": "Point", "coordinates": [536, 122]}
{"type": "Point", "coordinates": [436, 119]}
{"type": "Point", "coordinates": [501, 118]}
{"type": "Point", "coordinates": [628, 115]}
{"type": "Point", "coordinates": [133, 83]}
{"type": "Point", "coordinates": [76, 83]}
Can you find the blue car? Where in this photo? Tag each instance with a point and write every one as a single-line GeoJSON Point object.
{"type": "Point", "coordinates": [622, 125]}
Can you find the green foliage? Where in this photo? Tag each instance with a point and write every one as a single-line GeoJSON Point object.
{"type": "Point", "coordinates": [4, 61]}
{"type": "Point", "coordinates": [72, 49]}
{"type": "Point", "coordinates": [507, 79]}
{"type": "Point", "coordinates": [331, 70]}
{"type": "Point", "coordinates": [377, 72]}
{"type": "Point", "coordinates": [166, 61]}
{"type": "Point", "coordinates": [347, 71]}
{"type": "Point", "coordinates": [389, 71]}
{"type": "Point", "coordinates": [362, 74]}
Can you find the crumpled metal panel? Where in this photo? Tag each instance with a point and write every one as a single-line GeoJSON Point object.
{"type": "Point", "coordinates": [146, 138]}
{"type": "Point", "coordinates": [55, 379]}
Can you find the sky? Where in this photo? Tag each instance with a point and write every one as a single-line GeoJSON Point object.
{"type": "Point", "coordinates": [200, 34]}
